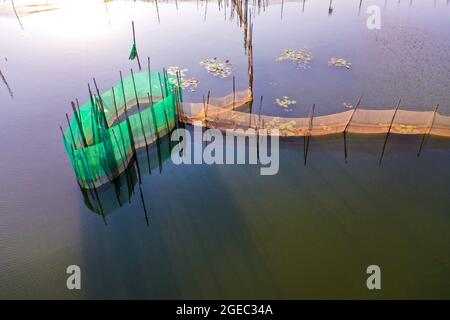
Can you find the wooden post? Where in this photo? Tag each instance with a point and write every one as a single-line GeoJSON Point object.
{"type": "Point", "coordinates": [175, 106]}
{"type": "Point", "coordinates": [429, 131]}
{"type": "Point", "coordinates": [79, 113]}
{"type": "Point", "coordinates": [134, 43]}
{"type": "Point", "coordinates": [124, 159]}
{"type": "Point", "coordinates": [17, 16]}
{"type": "Point", "coordinates": [102, 107]}
{"type": "Point", "coordinates": [158, 142]}
{"type": "Point", "coordinates": [70, 129]}
{"type": "Point", "coordinates": [165, 77]}
{"type": "Point", "coordinates": [348, 124]}
{"type": "Point", "coordinates": [142, 123]}
{"type": "Point", "coordinates": [257, 127]}
{"type": "Point", "coordinates": [389, 131]}
{"type": "Point", "coordinates": [234, 91]}
{"type": "Point", "coordinates": [73, 154]}
{"type": "Point", "coordinates": [306, 139]}
{"type": "Point", "coordinates": [6, 84]}
{"type": "Point", "coordinates": [130, 131]}
{"type": "Point", "coordinates": [157, 11]}
{"type": "Point", "coordinates": [259, 113]}
{"type": "Point", "coordinates": [123, 145]}
{"type": "Point", "coordinates": [161, 85]}
{"type": "Point", "coordinates": [180, 84]}
{"type": "Point", "coordinates": [93, 114]}
{"type": "Point", "coordinates": [93, 178]}
{"type": "Point", "coordinates": [150, 98]}
{"type": "Point", "coordinates": [168, 130]}
{"type": "Point", "coordinates": [79, 123]}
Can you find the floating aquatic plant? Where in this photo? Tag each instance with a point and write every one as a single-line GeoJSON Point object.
{"type": "Point", "coordinates": [348, 105]}
{"type": "Point", "coordinates": [186, 83]}
{"type": "Point", "coordinates": [406, 128]}
{"type": "Point", "coordinates": [217, 67]}
{"type": "Point", "coordinates": [339, 62]}
{"type": "Point", "coordinates": [301, 58]}
{"type": "Point", "coordinates": [285, 102]}
{"type": "Point", "coordinates": [288, 128]}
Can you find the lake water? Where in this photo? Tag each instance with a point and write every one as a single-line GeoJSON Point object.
{"type": "Point", "coordinates": [226, 231]}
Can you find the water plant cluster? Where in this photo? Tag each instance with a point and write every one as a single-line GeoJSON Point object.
{"type": "Point", "coordinates": [285, 102]}
{"type": "Point", "coordinates": [186, 83]}
{"type": "Point", "coordinates": [301, 58]}
{"type": "Point", "coordinates": [340, 62]}
{"type": "Point", "coordinates": [217, 67]}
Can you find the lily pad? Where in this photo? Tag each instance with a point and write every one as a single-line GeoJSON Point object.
{"type": "Point", "coordinates": [217, 67]}
{"type": "Point", "coordinates": [340, 62]}
{"type": "Point", "coordinates": [186, 83]}
{"type": "Point", "coordinates": [347, 105]}
{"type": "Point", "coordinates": [285, 103]}
{"type": "Point", "coordinates": [405, 128]}
{"type": "Point", "coordinates": [301, 58]}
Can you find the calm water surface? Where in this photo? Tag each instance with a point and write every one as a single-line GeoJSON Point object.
{"type": "Point", "coordinates": [225, 231]}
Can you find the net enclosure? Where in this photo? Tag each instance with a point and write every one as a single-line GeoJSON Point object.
{"type": "Point", "coordinates": [223, 113]}
{"type": "Point", "coordinates": [104, 133]}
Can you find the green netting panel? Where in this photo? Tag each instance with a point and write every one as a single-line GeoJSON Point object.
{"type": "Point", "coordinates": [105, 132]}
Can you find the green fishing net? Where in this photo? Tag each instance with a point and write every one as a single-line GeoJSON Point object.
{"type": "Point", "coordinates": [104, 133]}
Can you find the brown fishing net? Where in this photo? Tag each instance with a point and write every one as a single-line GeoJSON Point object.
{"type": "Point", "coordinates": [222, 113]}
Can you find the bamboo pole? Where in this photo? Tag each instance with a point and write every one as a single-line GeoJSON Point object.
{"type": "Point", "coordinates": [134, 43]}
{"type": "Point", "coordinates": [98, 198]}
{"type": "Point", "coordinates": [161, 85]}
{"type": "Point", "coordinates": [73, 154]}
{"type": "Point", "coordinates": [17, 16]}
{"type": "Point", "coordinates": [165, 82]}
{"type": "Point", "coordinates": [93, 114]}
{"type": "Point", "coordinates": [6, 84]}
{"type": "Point", "coordinates": [150, 98]}
{"type": "Point", "coordinates": [70, 129]}
{"type": "Point", "coordinates": [168, 130]}
{"type": "Point", "coordinates": [175, 107]}
{"type": "Point", "coordinates": [259, 113]}
{"type": "Point", "coordinates": [389, 131]}
{"type": "Point", "coordinates": [180, 85]}
{"type": "Point", "coordinates": [93, 178]}
{"type": "Point", "coordinates": [180, 114]}
{"type": "Point", "coordinates": [130, 131]}
{"type": "Point", "coordinates": [234, 91]}
{"type": "Point", "coordinates": [123, 158]}
{"type": "Point", "coordinates": [142, 123]}
{"type": "Point", "coordinates": [348, 124]}
{"type": "Point", "coordinates": [92, 194]}
{"type": "Point", "coordinates": [129, 187]}
{"type": "Point", "coordinates": [158, 142]}
{"type": "Point", "coordinates": [79, 113]}
{"type": "Point", "coordinates": [102, 107]}
{"type": "Point", "coordinates": [257, 127]}
{"type": "Point", "coordinates": [79, 123]}
{"type": "Point", "coordinates": [308, 137]}
{"type": "Point", "coordinates": [429, 131]}
{"type": "Point", "coordinates": [157, 11]}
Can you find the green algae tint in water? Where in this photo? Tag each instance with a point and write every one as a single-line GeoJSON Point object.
{"type": "Point", "coordinates": [225, 231]}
